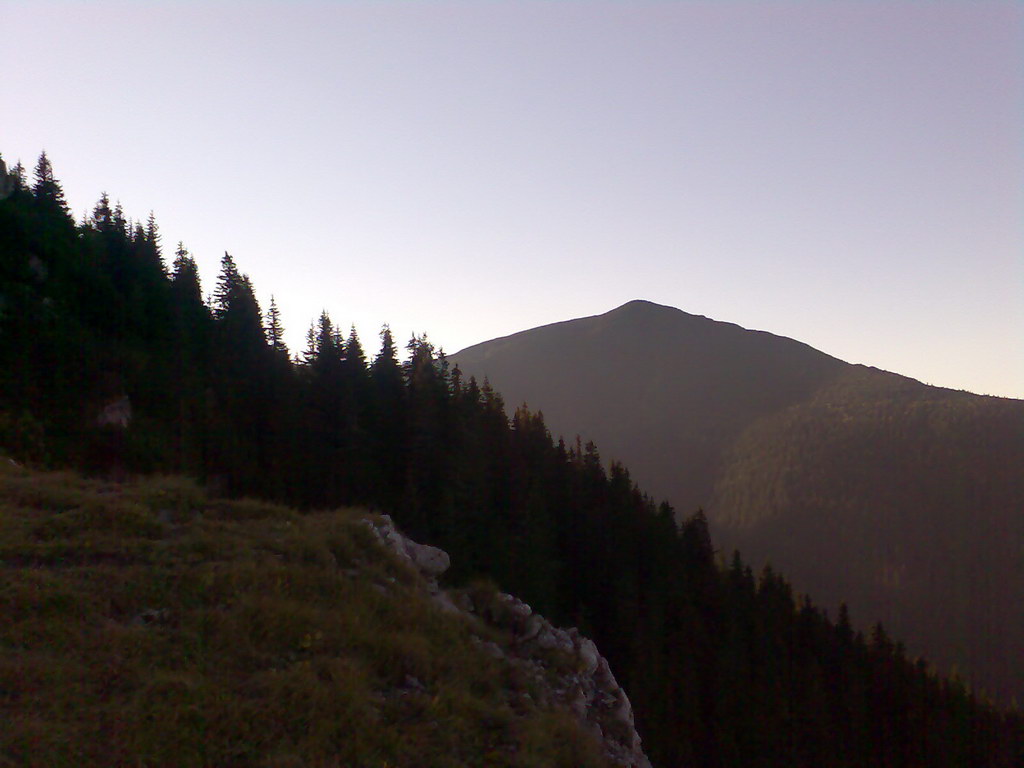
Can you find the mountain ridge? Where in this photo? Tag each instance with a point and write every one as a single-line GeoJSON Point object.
{"type": "Point", "coordinates": [778, 441]}
{"type": "Point", "coordinates": [633, 306]}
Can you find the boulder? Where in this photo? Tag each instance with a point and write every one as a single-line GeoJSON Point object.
{"type": "Point", "coordinates": [431, 561]}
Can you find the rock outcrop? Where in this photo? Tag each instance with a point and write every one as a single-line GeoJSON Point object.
{"type": "Point", "coordinates": [566, 668]}
{"type": "Point", "coordinates": [117, 413]}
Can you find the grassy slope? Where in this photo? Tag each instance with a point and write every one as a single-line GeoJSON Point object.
{"type": "Point", "coordinates": [147, 624]}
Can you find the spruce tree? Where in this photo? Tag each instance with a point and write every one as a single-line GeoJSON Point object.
{"type": "Point", "coordinates": [239, 319]}
{"type": "Point", "coordinates": [354, 354]}
{"type": "Point", "coordinates": [322, 350]}
{"type": "Point", "coordinates": [120, 224]}
{"type": "Point", "coordinates": [102, 218]}
{"type": "Point", "coordinates": [185, 279]}
{"type": "Point", "coordinates": [275, 329]}
{"type": "Point", "coordinates": [388, 414]}
{"type": "Point", "coordinates": [47, 190]}
{"type": "Point", "coordinates": [18, 177]}
{"type": "Point", "coordinates": [153, 235]}
{"type": "Point", "coordinates": [228, 286]}
{"type": "Point", "coordinates": [385, 368]}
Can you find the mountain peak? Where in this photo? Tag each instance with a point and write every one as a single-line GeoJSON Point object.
{"type": "Point", "coordinates": [641, 303]}
{"type": "Point", "coordinates": [644, 305]}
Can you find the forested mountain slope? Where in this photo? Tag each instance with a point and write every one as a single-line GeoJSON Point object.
{"type": "Point", "coordinates": [112, 362]}
{"type": "Point", "coordinates": [905, 500]}
{"type": "Point", "coordinates": [644, 378]}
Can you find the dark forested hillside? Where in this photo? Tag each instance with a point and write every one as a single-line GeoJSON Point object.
{"type": "Point", "coordinates": [658, 388]}
{"type": "Point", "coordinates": [904, 500]}
{"type": "Point", "coordinates": [111, 361]}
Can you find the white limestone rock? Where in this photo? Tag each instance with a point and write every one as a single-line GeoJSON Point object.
{"type": "Point", "coordinates": [431, 561]}
{"type": "Point", "coordinates": [583, 684]}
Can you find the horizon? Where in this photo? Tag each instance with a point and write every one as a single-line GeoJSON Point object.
{"type": "Point", "coordinates": [845, 176]}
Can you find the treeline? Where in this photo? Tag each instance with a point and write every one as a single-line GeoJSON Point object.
{"type": "Point", "coordinates": [723, 668]}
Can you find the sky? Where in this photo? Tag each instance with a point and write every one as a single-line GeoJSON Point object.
{"type": "Point", "coordinates": [849, 174]}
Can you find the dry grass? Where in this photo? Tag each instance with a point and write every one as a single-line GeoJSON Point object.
{"type": "Point", "coordinates": [146, 624]}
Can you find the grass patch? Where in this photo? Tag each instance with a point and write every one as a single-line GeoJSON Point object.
{"type": "Point", "coordinates": [146, 624]}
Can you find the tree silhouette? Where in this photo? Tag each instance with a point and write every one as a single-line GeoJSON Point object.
{"type": "Point", "coordinates": [47, 190]}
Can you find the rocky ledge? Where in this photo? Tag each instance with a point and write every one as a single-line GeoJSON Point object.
{"type": "Point", "coordinates": [566, 667]}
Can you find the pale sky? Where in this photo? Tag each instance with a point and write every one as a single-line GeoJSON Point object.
{"type": "Point", "coordinates": [847, 174]}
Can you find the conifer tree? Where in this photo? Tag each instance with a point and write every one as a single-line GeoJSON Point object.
{"type": "Point", "coordinates": [152, 241]}
{"type": "Point", "coordinates": [362, 471]}
{"type": "Point", "coordinates": [146, 250]}
{"type": "Point", "coordinates": [241, 374]}
{"type": "Point", "coordinates": [357, 380]}
{"type": "Point", "coordinates": [388, 412]}
{"type": "Point", "coordinates": [120, 224]}
{"type": "Point", "coordinates": [696, 539]}
{"type": "Point", "coordinates": [328, 415]}
{"type": "Point", "coordinates": [275, 329]}
{"type": "Point", "coordinates": [153, 235]}
{"type": "Point", "coordinates": [322, 349]}
{"type": "Point", "coordinates": [428, 394]}
{"type": "Point", "coordinates": [239, 319]}
{"type": "Point", "coordinates": [18, 176]}
{"type": "Point", "coordinates": [228, 285]}
{"type": "Point", "coordinates": [102, 218]}
{"type": "Point", "coordinates": [190, 356]}
{"type": "Point", "coordinates": [185, 279]}
{"type": "Point", "coordinates": [47, 190]}
{"type": "Point", "coordinates": [354, 354]}
{"type": "Point", "coordinates": [385, 370]}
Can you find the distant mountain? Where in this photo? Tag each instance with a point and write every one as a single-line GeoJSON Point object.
{"type": "Point", "coordinates": [904, 500]}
